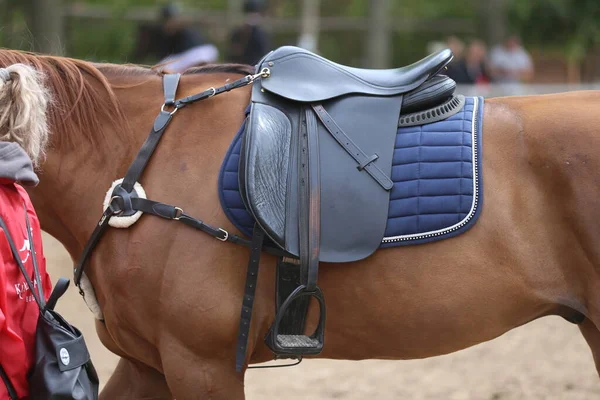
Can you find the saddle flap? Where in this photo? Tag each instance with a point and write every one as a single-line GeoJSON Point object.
{"type": "Point", "coordinates": [353, 204]}
{"type": "Point", "coordinates": [299, 75]}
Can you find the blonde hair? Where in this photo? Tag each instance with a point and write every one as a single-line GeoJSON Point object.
{"type": "Point", "coordinates": [24, 103]}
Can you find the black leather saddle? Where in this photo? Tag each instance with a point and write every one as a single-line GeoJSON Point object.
{"type": "Point", "coordinates": [315, 167]}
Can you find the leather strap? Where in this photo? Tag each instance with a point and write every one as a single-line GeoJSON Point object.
{"type": "Point", "coordinates": [12, 393]}
{"type": "Point", "coordinates": [140, 162]}
{"type": "Point", "coordinates": [59, 289]}
{"type": "Point", "coordinates": [310, 201]}
{"type": "Point", "coordinates": [90, 245]}
{"type": "Point", "coordinates": [248, 302]}
{"type": "Point", "coordinates": [15, 252]}
{"type": "Point", "coordinates": [363, 160]}
{"type": "Point", "coordinates": [133, 173]}
{"type": "Point", "coordinates": [170, 83]}
{"type": "Point", "coordinates": [36, 269]}
{"type": "Point", "coordinates": [213, 92]}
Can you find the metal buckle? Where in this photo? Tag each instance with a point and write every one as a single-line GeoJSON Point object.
{"type": "Point", "coordinates": [178, 214]}
{"type": "Point", "coordinates": [226, 235]}
{"type": "Point", "coordinates": [214, 91]}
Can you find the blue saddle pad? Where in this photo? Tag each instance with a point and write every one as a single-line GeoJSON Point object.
{"type": "Point", "coordinates": [436, 170]}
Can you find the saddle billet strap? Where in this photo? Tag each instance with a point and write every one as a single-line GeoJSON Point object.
{"type": "Point", "coordinates": [310, 200]}
{"type": "Point", "coordinates": [258, 237]}
{"type": "Point", "coordinates": [363, 160]}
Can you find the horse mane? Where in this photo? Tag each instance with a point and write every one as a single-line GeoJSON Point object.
{"type": "Point", "coordinates": [80, 106]}
{"type": "Point", "coordinates": [77, 105]}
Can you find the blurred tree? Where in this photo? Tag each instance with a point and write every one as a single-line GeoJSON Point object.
{"type": "Point", "coordinates": [493, 18]}
{"type": "Point", "coordinates": [309, 36]}
{"type": "Point", "coordinates": [567, 26]}
{"type": "Point", "coordinates": [45, 22]}
{"type": "Point", "coordinates": [378, 42]}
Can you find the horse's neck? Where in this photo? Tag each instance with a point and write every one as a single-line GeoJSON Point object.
{"type": "Point", "coordinates": [74, 180]}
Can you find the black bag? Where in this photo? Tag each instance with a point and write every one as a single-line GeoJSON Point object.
{"type": "Point", "coordinates": [62, 369]}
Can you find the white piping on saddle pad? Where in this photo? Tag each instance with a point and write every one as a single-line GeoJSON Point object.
{"type": "Point", "coordinates": [475, 201]}
{"type": "Point", "coordinates": [89, 296]}
{"type": "Point", "coordinates": [123, 221]}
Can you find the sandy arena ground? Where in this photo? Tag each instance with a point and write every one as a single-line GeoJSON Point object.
{"type": "Point", "coordinates": [547, 359]}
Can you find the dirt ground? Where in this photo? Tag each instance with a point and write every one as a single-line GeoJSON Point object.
{"type": "Point", "coordinates": [546, 359]}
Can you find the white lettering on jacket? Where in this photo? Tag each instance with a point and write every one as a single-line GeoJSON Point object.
{"type": "Point", "coordinates": [21, 288]}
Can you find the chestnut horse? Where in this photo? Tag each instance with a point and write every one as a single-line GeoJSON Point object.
{"type": "Point", "coordinates": [171, 296]}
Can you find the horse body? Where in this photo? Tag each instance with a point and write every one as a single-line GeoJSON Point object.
{"type": "Point", "coordinates": [171, 296]}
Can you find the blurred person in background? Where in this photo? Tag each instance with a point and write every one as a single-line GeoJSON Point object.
{"type": "Point", "coordinates": [456, 45]}
{"type": "Point", "coordinates": [174, 43]}
{"type": "Point", "coordinates": [472, 68]}
{"type": "Point", "coordinates": [510, 62]}
{"type": "Point", "coordinates": [249, 42]}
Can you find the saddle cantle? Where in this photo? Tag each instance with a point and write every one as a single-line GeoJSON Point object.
{"type": "Point", "coordinates": [315, 167]}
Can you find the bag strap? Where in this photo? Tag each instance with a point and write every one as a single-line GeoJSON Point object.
{"type": "Point", "coordinates": [36, 269]}
{"type": "Point", "coordinates": [12, 393]}
{"type": "Point", "coordinates": [17, 258]}
{"type": "Point", "coordinates": [59, 289]}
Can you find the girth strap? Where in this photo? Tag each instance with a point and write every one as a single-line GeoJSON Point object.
{"type": "Point", "coordinates": [362, 159]}
{"type": "Point", "coordinates": [248, 302]}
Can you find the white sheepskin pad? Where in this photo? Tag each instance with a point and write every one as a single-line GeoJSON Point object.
{"type": "Point", "coordinates": [123, 221]}
{"type": "Point", "coordinates": [89, 296]}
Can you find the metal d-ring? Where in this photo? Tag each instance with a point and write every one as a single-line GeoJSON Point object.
{"type": "Point", "coordinates": [178, 213]}
{"type": "Point", "coordinates": [175, 108]}
{"type": "Point", "coordinates": [213, 93]}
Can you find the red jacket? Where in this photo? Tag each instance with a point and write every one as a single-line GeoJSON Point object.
{"type": "Point", "coordinates": [18, 310]}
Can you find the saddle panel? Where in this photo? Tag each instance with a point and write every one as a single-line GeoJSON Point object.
{"type": "Point", "coordinates": [302, 76]}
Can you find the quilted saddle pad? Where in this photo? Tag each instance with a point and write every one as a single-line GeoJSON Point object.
{"type": "Point", "coordinates": [436, 170]}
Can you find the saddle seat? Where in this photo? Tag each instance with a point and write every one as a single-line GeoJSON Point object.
{"type": "Point", "coordinates": [303, 76]}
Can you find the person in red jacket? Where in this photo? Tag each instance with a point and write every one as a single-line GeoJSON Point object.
{"type": "Point", "coordinates": [18, 309]}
